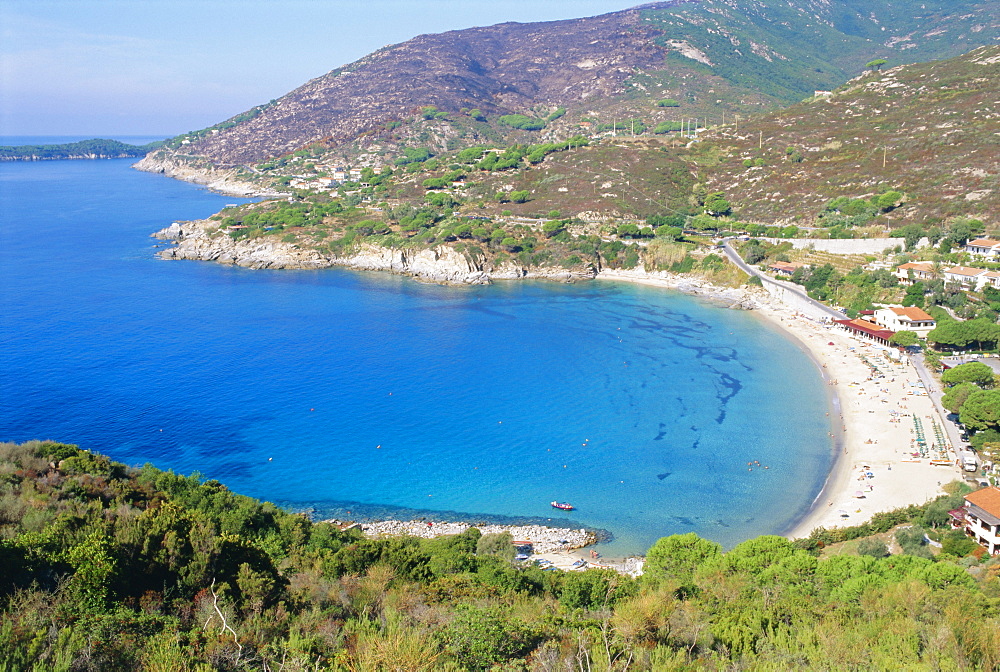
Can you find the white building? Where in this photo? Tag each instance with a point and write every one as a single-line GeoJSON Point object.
{"type": "Point", "coordinates": [982, 518]}
{"type": "Point", "coordinates": [898, 318]}
{"type": "Point", "coordinates": [984, 247]}
{"type": "Point", "coordinates": [914, 271]}
{"type": "Point", "coordinates": [969, 278]}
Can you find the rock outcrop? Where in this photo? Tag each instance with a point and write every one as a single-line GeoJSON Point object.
{"type": "Point", "coordinates": [222, 180]}
{"type": "Point", "coordinates": [202, 240]}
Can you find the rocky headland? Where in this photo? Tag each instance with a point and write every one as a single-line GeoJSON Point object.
{"type": "Point", "coordinates": [202, 240]}
{"type": "Point", "coordinates": [222, 180]}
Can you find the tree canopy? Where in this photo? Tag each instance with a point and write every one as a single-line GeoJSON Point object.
{"type": "Point", "coordinates": [970, 372]}
{"type": "Point", "coordinates": [981, 410]}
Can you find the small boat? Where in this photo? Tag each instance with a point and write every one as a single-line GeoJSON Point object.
{"type": "Point", "coordinates": [563, 506]}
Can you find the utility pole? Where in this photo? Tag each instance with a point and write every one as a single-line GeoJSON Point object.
{"type": "Point", "coordinates": [760, 144]}
{"type": "Point", "coordinates": [884, 150]}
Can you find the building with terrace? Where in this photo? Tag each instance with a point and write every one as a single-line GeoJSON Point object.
{"type": "Point", "coordinates": [914, 271]}
{"type": "Point", "coordinates": [984, 247]}
{"type": "Point", "coordinates": [981, 518]}
{"type": "Point", "coordinates": [969, 279]}
{"type": "Point", "coordinates": [911, 318]}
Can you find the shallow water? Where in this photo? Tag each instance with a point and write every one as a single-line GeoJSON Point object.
{"type": "Point", "coordinates": [368, 393]}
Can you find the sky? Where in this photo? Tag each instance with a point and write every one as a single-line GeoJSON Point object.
{"type": "Point", "coordinates": [112, 68]}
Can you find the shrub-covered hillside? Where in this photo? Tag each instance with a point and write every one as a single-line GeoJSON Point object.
{"type": "Point", "coordinates": [105, 567]}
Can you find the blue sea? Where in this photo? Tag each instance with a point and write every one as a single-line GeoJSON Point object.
{"type": "Point", "coordinates": [364, 394]}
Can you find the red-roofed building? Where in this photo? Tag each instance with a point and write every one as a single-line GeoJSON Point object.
{"type": "Point", "coordinates": [991, 278]}
{"type": "Point", "coordinates": [968, 278]}
{"type": "Point", "coordinates": [982, 518]}
{"type": "Point", "coordinates": [786, 268]}
{"type": "Point", "coordinates": [898, 318]}
{"type": "Point", "coordinates": [984, 247]}
{"type": "Point", "coordinates": [866, 329]}
{"type": "Point", "coordinates": [914, 271]}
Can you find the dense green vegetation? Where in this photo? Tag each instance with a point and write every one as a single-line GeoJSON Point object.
{"type": "Point", "coordinates": [107, 567]}
{"type": "Point", "coordinates": [84, 149]}
{"type": "Point", "coordinates": [522, 122]}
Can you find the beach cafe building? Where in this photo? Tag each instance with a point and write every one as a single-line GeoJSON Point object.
{"type": "Point", "coordinates": [866, 329]}
{"type": "Point", "coordinates": [910, 318]}
{"type": "Point", "coordinates": [981, 518]}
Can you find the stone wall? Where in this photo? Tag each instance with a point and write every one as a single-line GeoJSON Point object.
{"type": "Point", "coordinates": [846, 246]}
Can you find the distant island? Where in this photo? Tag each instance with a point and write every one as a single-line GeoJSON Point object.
{"type": "Point", "coordinates": [97, 148]}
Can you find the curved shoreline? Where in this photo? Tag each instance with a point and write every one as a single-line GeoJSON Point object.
{"type": "Point", "coordinates": [835, 354]}
{"type": "Point", "coordinates": [869, 435]}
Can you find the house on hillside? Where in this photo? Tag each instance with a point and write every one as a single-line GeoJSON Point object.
{"type": "Point", "coordinates": [991, 279]}
{"type": "Point", "coordinates": [898, 318]}
{"type": "Point", "coordinates": [914, 271]}
{"type": "Point", "coordinates": [785, 268]}
{"type": "Point", "coordinates": [968, 278]}
{"type": "Point", "coordinates": [982, 518]}
{"type": "Point", "coordinates": [984, 247]}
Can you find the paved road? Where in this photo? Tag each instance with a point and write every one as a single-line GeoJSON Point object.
{"type": "Point", "coordinates": [917, 360]}
{"type": "Point", "coordinates": [819, 309]}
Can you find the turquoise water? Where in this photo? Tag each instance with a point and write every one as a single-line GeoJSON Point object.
{"type": "Point", "coordinates": [375, 394]}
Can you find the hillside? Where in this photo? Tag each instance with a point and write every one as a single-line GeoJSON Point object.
{"type": "Point", "coordinates": [696, 59]}
{"type": "Point", "coordinates": [929, 131]}
{"type": "Point", "coordinates": [110, 568]}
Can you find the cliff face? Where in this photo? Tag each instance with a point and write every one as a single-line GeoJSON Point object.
{"type": "Point", "coordinates": [200, 241]}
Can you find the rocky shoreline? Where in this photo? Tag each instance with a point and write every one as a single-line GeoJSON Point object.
{"type": "Point", "coordinates": [217, 179]}
{"type": "Point", "coordinates": [543, 539]}
{"type": "Point", "coordinates": [200, 240]}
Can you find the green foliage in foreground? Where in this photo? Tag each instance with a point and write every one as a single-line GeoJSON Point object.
{"type": "Point", "coordinates": [106, 567]}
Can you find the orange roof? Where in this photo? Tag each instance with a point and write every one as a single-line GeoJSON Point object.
{"type": "Point", "coordinates": [912, 312]}
{"type": "Point", "coordinates": [964, 270]}
{"type": "Point", "coordinates": [866, 327]}
{"type": "Point", "coordinates": [987, 499]}
{"type": "Point", "coordinates": [917, 266]}
{"type": "Point", "coordinates": [984, 242]}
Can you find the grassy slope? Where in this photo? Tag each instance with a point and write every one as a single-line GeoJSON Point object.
{"type": "Point", "coordinates": [936, 124]}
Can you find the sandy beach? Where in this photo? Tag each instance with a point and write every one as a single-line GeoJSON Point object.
{"type": "Point", "coordinates": [884, 409]}
{"type": "Point", "coordinates": [878, 466]}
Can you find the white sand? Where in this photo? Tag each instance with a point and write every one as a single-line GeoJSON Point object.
{"type": "Point", "coordinates": [873, 436]}
{"type": "Point", "coordinates": [870, 435]}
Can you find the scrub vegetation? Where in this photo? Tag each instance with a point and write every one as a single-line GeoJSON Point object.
{"type": "Point", "coordinates": [108, 567]}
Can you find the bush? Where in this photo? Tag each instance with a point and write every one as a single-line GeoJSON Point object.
{"type": "Point", "coordinates": [667, 127]}
{"type": "Point", "coordinates": [873, 547]}
{"type": "Point", "coordinates": [522, 122]}
{"type": "Point", "coordinates": [480, 637]}
{"type": "Point", "coordinates": [667, 102]}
